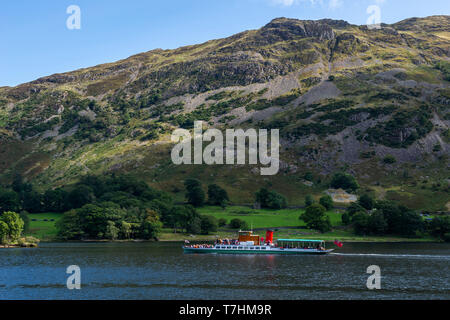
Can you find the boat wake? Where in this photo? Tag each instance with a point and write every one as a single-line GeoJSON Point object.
{"type": "Point", "coordinates": [418, 256]}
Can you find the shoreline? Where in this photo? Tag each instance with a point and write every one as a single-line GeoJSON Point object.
{"type": "Point", "coordinates": [15, 246]}
{"type": "Point", "coordinates": [211, 238]}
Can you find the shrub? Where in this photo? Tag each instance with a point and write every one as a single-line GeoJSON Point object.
{"type": "Point", "coordinates": [389, 159]}
{"type": "Point", "coordinates": [238, 224]}
{"type": "Point", "coordinates": [437, 148]}
{"type": "Point", "coordinates": [222, 222]}
{"type": "Point", "coordinates": [344, 181]}
{"type": "Point", "coordinates": [444, 67]}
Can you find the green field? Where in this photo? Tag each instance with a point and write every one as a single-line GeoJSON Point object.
{"type": "Point", "coordinates": [265, 218]}
{"type": "Point", "coordinates": [43, 230]}
{"type": "Point", "coordinates": [279, 220]}
{"type": "Point", "coordinates": [257, 219]}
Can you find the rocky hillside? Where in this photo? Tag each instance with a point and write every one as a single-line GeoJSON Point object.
{"type": "Point", "coordinates": [371, 102]}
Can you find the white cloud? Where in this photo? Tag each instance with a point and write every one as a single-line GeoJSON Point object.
{"type": "Point", "coordinates": [285, 3]}
{"type": "Point", "coordinates": [288, 3]}
{"type": "Point", "coordinates": [334, 4]}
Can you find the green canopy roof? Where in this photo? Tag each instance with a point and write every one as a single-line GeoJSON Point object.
{"type": "Point", "coordinates": [299, 240]}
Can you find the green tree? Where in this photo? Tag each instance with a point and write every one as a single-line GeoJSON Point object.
{"type": "Point", "coordinates": [152, 226]}
{"type": "Point", "coordinates": [20, 186]}
{"type": "Point", "coordinates": [93, 220]}
{"type": "Point", "coordinates": [208, 224]}
{"type": "Point", "coordinates": [217, 195]}
{"type": "Point", "coordinates": [315, 217]}
{"type": "Point", "coordinates": [26, 221]}
{"type": "Point", "coordinates": [270, 199]}
{"type": "Point", "coordinates": [55, 200]}
{"type": "Point", "coordinates": [163, 207]}
{"type": "Point", "coordinates": [32, 202]}
{"type": "Point", "coordinates": [69, 226]}
{"type": "Point", "coordinates": [187, 218]}
{"type": "Point", "coordinates": [15, 225]}
{"type": "Point", "coordinates": [439, 227]}
{"type": "Point", "coordinates": [361, 223]}
{"type": "Point", "coordinates": [80, 196]}
{"type": "Point", "coordinates": [112, 232]}
{"type": "Point", "coordinates": [366, 202]}
{"type": "Point", "coordinates": [194, 192]}
{"type": "Point", "coordinates": [238, 224]}
{"type": "Point", "coordinates": [222, 222]}
{"type": "Point", "coordinates": [4, 232]}
{"type": "Point", "coordinates": [309, 200]}
{"type": "Point", "coordinates": [400, 219]}
{"type": "Point", "coordinates": [327, 202]}
{"type": "Point", "coordinates": [377, 224]}
{"type": "Point", "coordinates": [125, 229]}
{"type": "Point", "coordinates": [346, 220]}
{"type": "Point", "coordinates": [355, 208]}
{"type": "Point", "coordinates": [194, 226]}
{"type": "Point", "coordinates": [9, 200]}
{"type": "Point", "coordinates": [410, 223]}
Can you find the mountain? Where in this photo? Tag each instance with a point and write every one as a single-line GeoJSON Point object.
{"type": "Point", "coordinates": [372, 102]}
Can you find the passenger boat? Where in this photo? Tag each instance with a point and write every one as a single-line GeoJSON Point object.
{"type": "Point", "coordinates": [248, 243]}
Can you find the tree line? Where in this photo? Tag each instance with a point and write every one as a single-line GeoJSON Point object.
{"type": "Point", "coordinates": [125, 207]}
{"type": "Point", "coordinates": [369, 217]}
{"type": "Point", "coordinates": [218, 196]}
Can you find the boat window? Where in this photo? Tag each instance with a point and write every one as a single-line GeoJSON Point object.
{"type": "Point", "coordinates": [234, 248]}
{"type": "Point", "coordinates": [251, 248]}
{"type": "Point", "coordinates": [256, 248]}
{"type": "Point", "coordinates": [263, 248]}
{"type": "Point", "coordinates": [241, 248]}
{"type": "Point", "coordinates": [228, 247]}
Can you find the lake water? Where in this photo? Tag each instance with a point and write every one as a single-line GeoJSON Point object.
{"type": "Point", "coordinates": [162, 271]}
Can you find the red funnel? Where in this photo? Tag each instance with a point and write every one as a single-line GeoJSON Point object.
{"type": "Point", "coordinates": [269, 236]}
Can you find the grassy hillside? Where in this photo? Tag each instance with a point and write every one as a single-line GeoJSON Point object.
{"type": "Point", "coordinates": [344, 98]}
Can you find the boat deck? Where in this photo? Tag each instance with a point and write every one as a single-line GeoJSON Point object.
{"type": "Point", "coordinates": [236, 249]}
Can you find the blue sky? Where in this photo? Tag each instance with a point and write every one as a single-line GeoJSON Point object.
{"type": "Point", "coordinates": [35, 41]}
